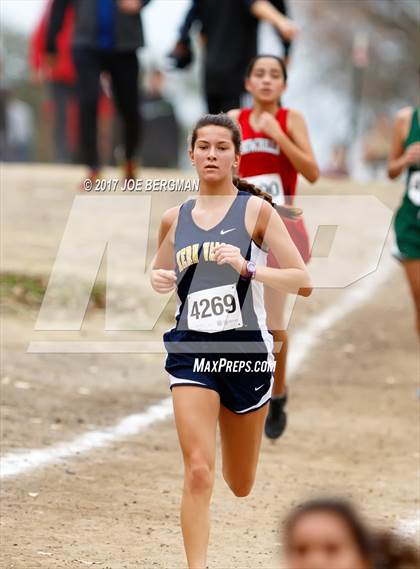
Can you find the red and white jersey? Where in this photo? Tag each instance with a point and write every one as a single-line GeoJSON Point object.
{"type": "Point", "coordinates": [263, 163]}
{"type": "Point", "coordinates": [267, 167]}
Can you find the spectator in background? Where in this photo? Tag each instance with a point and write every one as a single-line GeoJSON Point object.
{"type": "Point", "coordinates": [160, 140]}
{"type": "Point", "coordinates": [286, 40]}
{"type": "Point", "coordinates": [106, 37]}
{"type": "Point", "coordinates": [377, 145]}
{"type": "Point", "coordinates": [182, 54]}
{"type": "Point", "coordinates": [229, 31]}
{"type": "Point", "coordinates": [330, 534]}
{"type": "Point", "coordinates": [3, 99]}
{"type": "Point", "coordinates": [18, 129]}
{"type": "Point", "coordinates": [337, 165]}
{"type": "Point", "coordinates": [61, 81]}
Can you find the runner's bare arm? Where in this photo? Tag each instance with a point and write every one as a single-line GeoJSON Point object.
{"type": "Point", "coordinates": [302, 157]}
{"type": "Point", "coordinates": [163, 276]}
{"type": "Point", "coordinates": [399, 159]}
{"type": "Point", "coordinates": [264, 10]}
{"type": "Point", "coordinates": [268, 230]}
{"type": "Point", "coordinates": [297, 148]}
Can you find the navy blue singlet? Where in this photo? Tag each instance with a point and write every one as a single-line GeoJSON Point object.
{"type": "Point", "coordinates": [246, 338]}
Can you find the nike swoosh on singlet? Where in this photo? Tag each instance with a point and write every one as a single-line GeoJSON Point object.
{"type": "Point", "coordinates": [223, 231]}
{"type": "Point", "coordinates": [258, 388]}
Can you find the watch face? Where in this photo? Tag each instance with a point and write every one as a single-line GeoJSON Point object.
{"type": "Point", "coordinates": [251, 266]}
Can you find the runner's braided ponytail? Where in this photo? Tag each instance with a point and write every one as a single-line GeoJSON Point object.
{"type": "Point", "coordinates": [285, 211]}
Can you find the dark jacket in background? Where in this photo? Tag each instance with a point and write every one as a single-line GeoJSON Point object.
{"type": "Point", "coordinates": [231, 33]}
{"type": "Point", "coordinates": [128, 30]}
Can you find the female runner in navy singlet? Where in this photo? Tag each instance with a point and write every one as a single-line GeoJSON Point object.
{"type": "Point", "coordinates": [212, 251]}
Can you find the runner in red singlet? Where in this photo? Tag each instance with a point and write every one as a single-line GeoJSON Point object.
{"type": "Point", "coordinates": [275, 149]}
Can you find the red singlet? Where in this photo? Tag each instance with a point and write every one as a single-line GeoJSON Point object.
{"type": "Point", "coordinates": [265, 165]}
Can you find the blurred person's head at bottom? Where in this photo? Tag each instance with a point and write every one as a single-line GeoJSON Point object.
{"type": "Point", "coordinates": [329, 534]}
{"type": "Point", "coordinates": [326, 534]}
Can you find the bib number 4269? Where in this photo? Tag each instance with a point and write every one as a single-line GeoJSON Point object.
{"type": "Point", "coordinates": [206, 308]}
{"type": "Point", "coordinates": [214, 309]}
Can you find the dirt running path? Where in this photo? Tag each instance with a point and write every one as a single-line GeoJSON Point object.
{"type": "Point", "coordinates": [354, 430]}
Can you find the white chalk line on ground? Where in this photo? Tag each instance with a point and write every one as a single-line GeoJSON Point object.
{"type": "Point", "coordinates": [16, 463]}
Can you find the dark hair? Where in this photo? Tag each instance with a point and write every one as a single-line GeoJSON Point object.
{"type": "Point", "coordinates": [254, 60]}
{"type": "Point", "coordinates": [391, 552]}
{"type": "Point", "coordinates": [222, 119]}
{"type": "Point", "coordinates": [225, 121]}
{"type": "Point", "coordinates": [383, 549]}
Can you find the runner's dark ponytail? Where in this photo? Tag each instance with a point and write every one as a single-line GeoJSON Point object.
{"type": "Point", "coordinates": [225, 121]}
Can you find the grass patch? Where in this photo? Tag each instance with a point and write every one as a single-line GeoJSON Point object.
{"type": "Point", "coordinates": [29, 291]}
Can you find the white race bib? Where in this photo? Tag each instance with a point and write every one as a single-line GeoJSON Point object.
{"type": "Point", "coordinates": [270, 183]}
{"type": "Point", "coordinates": [414, 188]}
{"type": "Point", "coordinates": [214, 309]}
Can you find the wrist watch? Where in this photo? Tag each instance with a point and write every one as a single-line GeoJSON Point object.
{"type": "Point", "coordinates": [251, 269]}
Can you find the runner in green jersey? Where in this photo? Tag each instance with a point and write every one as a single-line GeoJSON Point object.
{"type": "Point", "coordinates": [405, 155]}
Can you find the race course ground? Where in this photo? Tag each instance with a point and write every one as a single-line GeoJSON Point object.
{"type": "Point", "coordinates": [354, 413]}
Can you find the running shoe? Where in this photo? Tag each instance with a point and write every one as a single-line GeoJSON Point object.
{"type": "Point", "coordinates": [276, 421]}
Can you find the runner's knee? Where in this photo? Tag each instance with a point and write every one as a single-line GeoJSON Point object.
{"type": "Point", "coordinates": [199, 475]}
{"type": "Point", "coordinates": [241, 488]}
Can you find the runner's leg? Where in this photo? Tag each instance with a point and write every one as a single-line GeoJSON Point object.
{"type": "Point", "coordinates": [412, 270]}
{"type": "Point", "coordinates": [241, 441]}
{"type": "Point", "coordinates": [196, 412]}
{"type": "Point", "coordinates": [274, 304]}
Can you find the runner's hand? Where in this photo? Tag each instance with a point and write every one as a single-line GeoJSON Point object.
{"type": "Point", "coordinates": [231, 255]}
{"type": "Point", "coordinates": [412, 154]}
{"type": "Point", "coordinates": [163, 281]}
{"type": "Point", "coordinates": [130, 6]}
{"type": "Point", "coordinates": [268, 124]}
